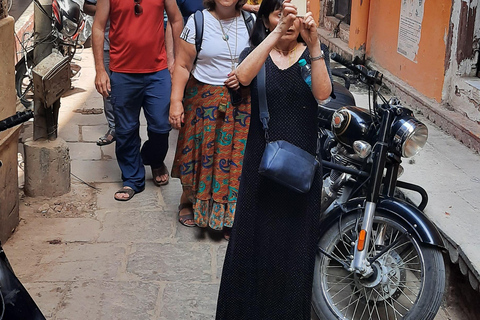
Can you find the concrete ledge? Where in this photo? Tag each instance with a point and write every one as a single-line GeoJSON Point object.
{"type": "Point", "coordinates": [458, 256]}
{"type": "Point", "coordinates": [343, 31]}
{"type": "Point", "coordinates": [336, 45]}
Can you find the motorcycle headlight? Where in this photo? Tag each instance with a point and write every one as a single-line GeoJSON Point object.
{"type": "Point", "coordinates": [69, 27]}
{"type": "Point", "coordinates": [410, 136]}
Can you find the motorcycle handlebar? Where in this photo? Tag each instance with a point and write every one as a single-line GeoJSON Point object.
{"type": "Point", "coordinates": [16, 119]}
{"type": "Point", "coordinates": [338, 58]}
{"type": "Point", "coordinates": [372, 76]}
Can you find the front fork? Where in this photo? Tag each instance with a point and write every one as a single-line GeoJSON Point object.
{"type": "Point", "coordinates": [360, 264]}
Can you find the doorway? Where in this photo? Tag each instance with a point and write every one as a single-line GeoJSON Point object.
{"type": "Point", "coordinates": [342, 10]}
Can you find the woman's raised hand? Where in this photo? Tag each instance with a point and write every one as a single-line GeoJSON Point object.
{"type": "Point", "coordinates": [308, 30]}
{"type": "Point", "coordinates": [287, 17]}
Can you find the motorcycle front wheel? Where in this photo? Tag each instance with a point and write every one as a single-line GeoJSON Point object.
{"type": "Point", "coordinates": [408, 279]}
{"type": "Point", "coordinates": [24, 81]}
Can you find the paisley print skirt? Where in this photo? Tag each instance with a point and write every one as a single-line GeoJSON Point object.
{"type": "Point", "coordinates": [210, 150]}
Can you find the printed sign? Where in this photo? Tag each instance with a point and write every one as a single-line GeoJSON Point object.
{"type": "Point", "coordinates": [410, 29]}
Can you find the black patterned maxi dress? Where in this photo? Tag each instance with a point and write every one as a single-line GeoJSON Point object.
{"type": "Point", "coordinates": [269, 264]}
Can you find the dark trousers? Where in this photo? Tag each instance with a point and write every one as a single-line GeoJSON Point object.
{"type": "Point", "coordinates": [131, 92]}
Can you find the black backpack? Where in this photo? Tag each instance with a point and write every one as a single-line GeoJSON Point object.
{"type": "Point", "coordinates": [198, 20]}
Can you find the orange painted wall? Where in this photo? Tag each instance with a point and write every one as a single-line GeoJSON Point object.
{"type": "Point", "coordinates": [315, 9]}
{"type": "Point", "coordinates": [427, 73]}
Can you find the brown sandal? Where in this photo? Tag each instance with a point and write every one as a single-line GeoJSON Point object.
{"type": "Point", "coordinates": [184, 218]}
{"type": "Point", "coordinates": [156, 173]}
{"type": "Point", "coordinates": [126, 190]}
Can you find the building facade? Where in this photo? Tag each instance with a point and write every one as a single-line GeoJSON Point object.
{"type": "Point", "coordinates": [427, 49]}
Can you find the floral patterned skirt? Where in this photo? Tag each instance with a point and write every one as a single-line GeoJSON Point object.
{"type": "Point", "coordinates": [210, 149]}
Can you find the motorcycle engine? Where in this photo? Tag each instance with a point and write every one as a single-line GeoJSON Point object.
{"type": "Point", "coordinates": [336, 181]}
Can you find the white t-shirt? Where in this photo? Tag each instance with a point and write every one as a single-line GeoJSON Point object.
{"type": "Point", "coordinates": [214, 61]}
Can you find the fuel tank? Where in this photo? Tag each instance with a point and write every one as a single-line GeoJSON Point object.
{"type": "Point", "coordinates": [352, 123]}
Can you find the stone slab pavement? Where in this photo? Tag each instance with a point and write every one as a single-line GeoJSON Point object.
{"type": "Point", "coordinates": [86, 256]}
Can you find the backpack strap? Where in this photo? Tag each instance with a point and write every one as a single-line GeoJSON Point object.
{"type": "Point", "coordinates": [248, 17]}
{"type": "Point", "coordinates": [198, 20]}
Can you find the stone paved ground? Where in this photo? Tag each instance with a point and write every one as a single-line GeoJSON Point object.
{"type": "Point", "coordinates": [86, 256]}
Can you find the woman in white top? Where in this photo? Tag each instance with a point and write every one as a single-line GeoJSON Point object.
{"type": "Point", "coordinates": [213, 131]}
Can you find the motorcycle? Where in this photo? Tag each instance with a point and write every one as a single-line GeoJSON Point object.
{"type": "Point", "coordinates": [68, 24]}
{"type": "Point", "coordinates": [378, 256]}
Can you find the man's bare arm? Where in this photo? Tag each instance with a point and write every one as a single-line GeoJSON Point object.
{"type": "Point", "coordinates": [102, 81]}
{"type": "Point", "coordinates": [169, 47]}
{"type": "Point", "coordinates": [176, 20]}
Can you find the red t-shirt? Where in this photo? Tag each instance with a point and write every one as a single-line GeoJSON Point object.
{"type": "Point", "coordinates": [137, 42]}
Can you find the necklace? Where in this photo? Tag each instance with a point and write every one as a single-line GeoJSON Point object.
{"type": "Point", "coordinates": [233, 58]}
{"type": "Point", "coordinates": [225, 36]}
{"type": "Point", "coordinates": [285, 51]}
{"type": "Point", "coordinates": [291, 54]}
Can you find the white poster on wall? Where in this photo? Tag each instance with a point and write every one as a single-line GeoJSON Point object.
{"type": "Point", "coordinates": [410, 29]}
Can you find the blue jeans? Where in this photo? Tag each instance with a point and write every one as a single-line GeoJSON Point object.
{"type": "Point", "coordinates": [131, 91]}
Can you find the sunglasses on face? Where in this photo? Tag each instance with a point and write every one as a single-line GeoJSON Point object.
{"type": "Point", "coordinates": [138, 8]}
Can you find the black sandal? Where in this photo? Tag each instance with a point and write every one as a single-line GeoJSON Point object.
{"type": "Point", "coordinates": [107, 138]}
{"type": "Point", "coordinates": [184, 218]}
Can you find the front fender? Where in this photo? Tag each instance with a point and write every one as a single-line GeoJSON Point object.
{"type": "Point", "coordinates": [408, 215]}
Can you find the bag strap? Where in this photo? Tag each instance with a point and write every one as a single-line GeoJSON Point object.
{"type": "Point", "coordinates": [263, 106]}
{"type": "Point", "coordinates": [262, 99]}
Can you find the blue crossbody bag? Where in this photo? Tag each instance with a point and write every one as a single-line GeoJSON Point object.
{"type": "Point", "coordinates": [282, 161]}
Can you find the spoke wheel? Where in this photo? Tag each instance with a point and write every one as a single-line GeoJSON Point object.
{"type": "Point", "coordinates": [399, 286]}
{"type": "Point", "coordinates": [24, 81]}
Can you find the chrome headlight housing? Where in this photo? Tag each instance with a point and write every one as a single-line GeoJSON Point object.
{"type": "Point", "coordinates": [410, 136]}
{"type": "Point", "coordinates": [69, 27]}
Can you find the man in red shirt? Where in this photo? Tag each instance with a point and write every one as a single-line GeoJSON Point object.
{"type": "Point", "coordinates": [139, 78]}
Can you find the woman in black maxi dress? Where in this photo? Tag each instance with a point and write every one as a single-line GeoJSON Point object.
{"type": "Point", "coordinates": [268, 268]}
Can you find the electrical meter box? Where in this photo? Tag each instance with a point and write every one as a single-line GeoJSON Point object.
{"type": "Point", "coordinates": [51, 78]}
